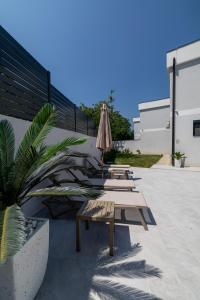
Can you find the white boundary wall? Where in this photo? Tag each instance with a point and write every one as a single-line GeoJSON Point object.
{"type": "Point", "coordinates": [145, 147]}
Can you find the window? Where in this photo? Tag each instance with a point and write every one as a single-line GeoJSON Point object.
{"type": "Point", "coordinates": [196, 128]}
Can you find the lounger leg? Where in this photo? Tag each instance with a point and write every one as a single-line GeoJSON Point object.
{"type": "Point", "coordinates": [123, 214]}
{"type": "Point", "coordinates": [86, 224]}
{"type": "Point", "coordinates": [49, 209]}
{"type": "Point", "coordinates": [142, 219]}
{"type": "Point", "coordinates": [78, 234]}
{"type": "Point", "coordinates": [111, 237]}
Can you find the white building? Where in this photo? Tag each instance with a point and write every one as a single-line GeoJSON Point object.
{"type": "Point", "coordinates": [154, 126]}
{"type": "Point", "coordinates": [151, 130]}
{"type": "Point", "coordinates": [173, 124]}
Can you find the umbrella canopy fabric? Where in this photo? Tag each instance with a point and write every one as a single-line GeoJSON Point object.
{"type": "Point", "coordinates": [104, 137]}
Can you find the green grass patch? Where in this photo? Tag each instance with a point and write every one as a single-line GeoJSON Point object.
{"type": "Point", "coordinates": [134, 160]}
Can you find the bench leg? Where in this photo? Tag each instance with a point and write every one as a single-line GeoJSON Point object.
{"type": "Point", "coordinates": [78, 234]}
{"type": "Point", "coordinates": [111, 237]}
{"type": "Point", "coordinates": [142, 219]}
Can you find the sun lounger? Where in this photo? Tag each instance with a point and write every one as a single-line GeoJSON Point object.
{"type": "Point", "coordinates": [95, 169]}
{"type": "Point", "coordinates": [111, 171]}
{"type": "Point", "coordinates": [116, 184]}
{"type": "Point", "coordinates": [111, 165]}
{"type": "Point", "coordinates": [122, 199]}
{"type": "Point", "coordinates": [98, 165]}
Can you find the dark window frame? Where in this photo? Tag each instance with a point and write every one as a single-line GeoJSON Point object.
{"type": "Point", "coordinates": [195, 122]}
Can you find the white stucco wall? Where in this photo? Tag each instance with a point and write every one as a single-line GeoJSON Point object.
{"type": "Point", "coordinates": [145, 145]}
{"type": "Point", "coordinates": [155, 118]}
{"type": "Point", "coordinates": [131, 145]}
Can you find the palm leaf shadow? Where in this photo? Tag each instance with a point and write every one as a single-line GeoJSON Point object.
{"type": "Point", "coordinates": [110, 290]}
{"type": "Point", "coordinates": [122, 266]}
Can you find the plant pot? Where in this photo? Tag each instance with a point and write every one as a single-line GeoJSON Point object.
{"type": "Point", "coordinates": [182, 164]}
{"type": "Point", "coordinates": [23, 273]}
{"type": "Point", "coordinates": [177, 163]}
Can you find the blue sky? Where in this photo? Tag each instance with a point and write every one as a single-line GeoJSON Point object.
{"type": "Point", "coordinates": [92, 46]}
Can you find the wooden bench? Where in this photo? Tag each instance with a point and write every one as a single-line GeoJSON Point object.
{"type": "Point", "coordinates": [118, 173]}
{"type": "Point", "coordinates": [123, 200]}
{"type": "Point", "coordinates": [97, 211]}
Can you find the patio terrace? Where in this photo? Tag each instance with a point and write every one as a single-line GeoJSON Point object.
{"type": "Point", "coordinates": [162, 263]}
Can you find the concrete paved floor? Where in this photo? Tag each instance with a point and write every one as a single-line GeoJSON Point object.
{"type": "Point", "coordinates": [162, 263]}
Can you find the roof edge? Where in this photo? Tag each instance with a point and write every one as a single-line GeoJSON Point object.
{"type": "Point", "coordinates": [154, 104]}
{"type": "Point", "coordinates": [184, 54]}
{"type": "Point", "coordinates": [183, 45]}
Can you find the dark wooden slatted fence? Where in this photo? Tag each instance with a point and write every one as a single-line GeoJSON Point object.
{"type": "Point", "coordinates": [65, 109]}
{"type": "Point", "coordinates": [25, 86]}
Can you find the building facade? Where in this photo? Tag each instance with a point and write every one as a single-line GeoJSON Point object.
{"type": "Point", "coordinates": [155, 126]}
{"type": "Point", "coordinates": [173, 124]}
{"type": "Point", "coordinates": [151, 129]}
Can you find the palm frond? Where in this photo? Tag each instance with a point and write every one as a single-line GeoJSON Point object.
{"type": "Point", "coordinates": [49, 174]}
{"type": "Point", "coordinates": [7, 148]}
{"type": "Point", "coordinates": [37, 131]}
{"type": "Point", "coordinates": [1, 227]}
{"type": "Point", "coordinates": [8, 182]}
{"type": "Point", "coordinates": [52, 163]}
{"type": "Point", "coordinates": [7, 143]}
{"type": "Point", "coordinates": [23, 168]}
{"type": "Point", "coordinates": [46, 169]}
{"type": "Point", "coordinates": [30, 148]}
{"type": "Point", "coordinates": [65, 191]}
{"type": "Point", "coordinates": [13, 236]}
{"type": "Point", "coordinates": [68, 142]}
{"type": "Point", "coordinates": [47, 152]}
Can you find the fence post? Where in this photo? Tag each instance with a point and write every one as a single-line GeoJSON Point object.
{"type": "Point", "coordinates": [74, 117]}
{"type": "Point", "coordinates": [48, 87]}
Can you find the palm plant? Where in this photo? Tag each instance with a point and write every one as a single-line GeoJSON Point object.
{"type": "Point", "coordinates": [178, 155]}
{"type": "Point", "coordinates": [33, 161]}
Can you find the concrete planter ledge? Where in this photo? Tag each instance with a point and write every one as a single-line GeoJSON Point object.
{"type": "Point", "coordinates": [22, 274]}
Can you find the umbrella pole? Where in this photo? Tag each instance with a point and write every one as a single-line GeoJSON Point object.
{"type": "Point", "coordinates": [102, 163]}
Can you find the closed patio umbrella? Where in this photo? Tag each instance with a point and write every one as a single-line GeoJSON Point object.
{"type": "Point", "coordinates": [104, 137]}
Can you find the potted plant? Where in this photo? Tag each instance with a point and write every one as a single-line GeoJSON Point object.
{"type": "Point", "coordinates": [138, 151]}
{"type": "Point", "coordinates": [24, 241]}
{"type": "Point", "coordinates": [179, 159]}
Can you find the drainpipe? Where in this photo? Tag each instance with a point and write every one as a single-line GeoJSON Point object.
{"type": "Point", "coordinates": [173, 109]}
